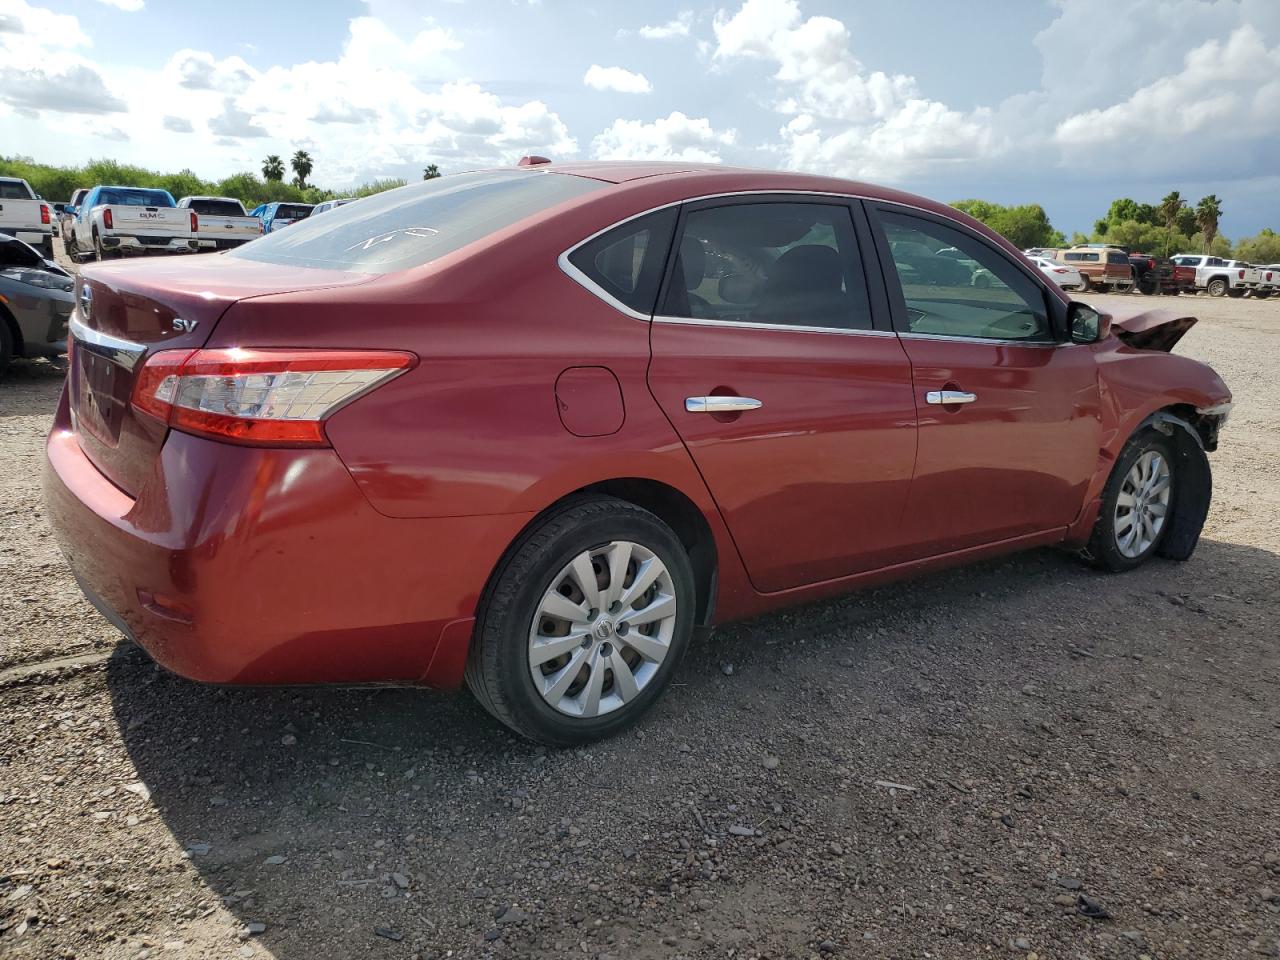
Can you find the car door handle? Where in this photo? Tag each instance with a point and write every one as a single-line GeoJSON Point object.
{"type": "Point", "coordinates": [721, 404]}
{"type": "Point", "coordinates": [946, 397]}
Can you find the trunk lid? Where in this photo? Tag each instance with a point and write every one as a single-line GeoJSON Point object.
{"type": "Point", "coordinates": [127, 311]}
{"type": "Point", "coordinates": [168, 221]}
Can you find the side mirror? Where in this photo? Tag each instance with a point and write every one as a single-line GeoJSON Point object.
{"type": "Point", "coordinates": [1087, 324]}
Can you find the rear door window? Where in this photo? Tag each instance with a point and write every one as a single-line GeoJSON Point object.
{"type": "Point", "coordinates": [781, 264]}
{"type": "Point", "coordinates": [419, 223]}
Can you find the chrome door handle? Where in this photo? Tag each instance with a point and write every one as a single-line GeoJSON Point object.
{"type": "Point", "coordinates": [721, 404]}
{"type": "Point", "coordinates": [946, 397]}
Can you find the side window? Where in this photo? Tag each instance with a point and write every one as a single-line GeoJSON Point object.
{"type": "Point", "coordinates": [1117, 258]}
{"type": "Point", "coordinates": [626, 263]}
{"type": "Point", "coordinates": [789, 264]}
{"type": "Point", "coordinates": [982, 295]}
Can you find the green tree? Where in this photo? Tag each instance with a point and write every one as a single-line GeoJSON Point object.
{"type": "Point", "coordinates": [1169, 208]}
{"type": "Point", "coordinates": [1125, 209]}
{"type": "Point", "coordinates": [1024, 226]}
{"type": "Point", "coordinates": [1263, 248]}
{"type": "Point", "coordinates": [1208, 213]}
{"type": "Point", "coordinates": [301, 164]}
{"type": "Point", "coordinates": [272, 168]}
{"type": "Point", "coordinates": [430, 172]}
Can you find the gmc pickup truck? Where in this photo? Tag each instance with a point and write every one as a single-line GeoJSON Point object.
{"type": "Point", "coordinates": [24, 215]}
{"type": "Point", "coordinates": [1219, 277]}
{"type": "Point", "coordinates": [114, 221]}
{"type": "Point", "coordinates": [223, 222]}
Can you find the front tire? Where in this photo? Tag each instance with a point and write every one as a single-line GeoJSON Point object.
{"type": "Point", "coordinates": [1137, 504]}
{"type": "Point", "coordinates": [1217, 287]}
{"type": "Point", "coordinates": [584, 623]}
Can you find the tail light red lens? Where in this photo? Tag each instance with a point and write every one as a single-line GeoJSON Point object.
{"type": "Point", "coordinates": [260, 397]}
{"type": "Point", "coordinates": [195, 222]}
{"type": "Point", "coordinates": [1151, 264]}
{"type": "Point", "coordinates": [1240, 274]}
{"type": "Point", "coordinates": [44, 213]}
{"type": "Point", "coordinates": [106, 219]}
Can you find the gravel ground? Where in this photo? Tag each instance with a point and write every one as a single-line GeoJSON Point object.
{"type": "Point", "coordinates": [964, 765]}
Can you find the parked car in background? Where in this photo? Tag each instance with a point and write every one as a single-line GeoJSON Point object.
{"type": "Point", "coordinates": [116, 221]}
{"type": "Point", "coordinates": [1048, 253]}
{"type": "Point", "coordinates": [1153, 274]}
{"type": "Point", "coordinates": [1219, 277]}
{"type": "Point", "coordinates": [1100, 266]}
{"type": "Point", "coordinates": [331, 205]}
{"type": "Point", "coordinates": [543, 484]}
{"type": "Point", "coordinates": [1269, 282]}
{"type": "Point", "coordinates": [1249, 277]}
{"type": "Point", "coordinates": [35, 302]}
{"type": "Point", "coordinates": [277, 215]}
{"type": "Point", "coordinates": [222, 222]}
{"type": "Point", "coordinates": [62, 223]}
{"type": "Point", "coordinates": [1064, 275]}
{"type": "Point", "coordinates": [23, 214]}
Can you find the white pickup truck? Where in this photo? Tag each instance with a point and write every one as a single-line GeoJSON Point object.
{"type": "Point", "coordinates": [223, 222]}
{"type": "Point", "coordinates": [113, 221]}
{"type": "Point", "coordinates": [1219, 277]}
{"type": "Point", "coordinates": [24, 215]}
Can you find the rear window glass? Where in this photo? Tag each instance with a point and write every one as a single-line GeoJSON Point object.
{"type": "Point", "coordinates": [413, 225]}
{"type": "Point", "coordinates": [292, 211]}
{"type": "Point", "coordinates": [132, 197]}
{"type": "Point", "coordinates": [10, 190]}
{"type": "Point", "coordinates": [216, 208]}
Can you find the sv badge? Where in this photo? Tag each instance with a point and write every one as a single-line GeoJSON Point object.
{"type": "Point", "coordinates": [184, 326]}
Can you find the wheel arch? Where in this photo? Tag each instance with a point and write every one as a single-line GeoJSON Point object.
{"type": "Point", "coordinates": [10, 323]}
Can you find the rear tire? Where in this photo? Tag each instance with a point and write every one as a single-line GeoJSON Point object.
{"type": "Point", "coordinates": [1085, 283]}
{"type": "Point", "coordinates": [598, 681]}
{"type": "Point", "coordinates": [1137, 504]}
{"type": "Point", "coordinates": [1217, 287]}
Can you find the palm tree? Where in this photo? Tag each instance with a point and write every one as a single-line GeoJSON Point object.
{"type": "Point", "coordinates": [430, 172]}
{"type": "Point", "coordinates": [273, 168]}
{"type": "Point", "coordinates": [1208, 210]}
{"type": "Point", "coordinates": [301, 164]}
{"type": "Point", "coordinates": [1169, 208]}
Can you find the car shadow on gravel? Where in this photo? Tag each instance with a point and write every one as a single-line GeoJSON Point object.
{"type": "Point", "coordinates": [391, 821]}
{"type": "Point", "coordinates": [30, 388]}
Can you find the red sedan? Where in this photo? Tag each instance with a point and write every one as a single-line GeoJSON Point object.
{"type": "Point", "coordinates": [529, 427]}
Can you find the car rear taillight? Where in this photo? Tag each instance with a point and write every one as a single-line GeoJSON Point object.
{"type": "Point", "coordinates": [264, 397]}
{"type": "Point", "coordinates": [1240, 274]}
{"type": "Point", "coordinates": [261, 227]}
{"type": "Point", "coordinates": [1059, 269]}
{"type": "Point", "coordinates": [106, 219]}
{"type": "Point", "coordinates": [44, 213]}
{"type": "Point", "coordinates": [195, 222]}
{"type": "Point", "coordinates": [1151, 264]}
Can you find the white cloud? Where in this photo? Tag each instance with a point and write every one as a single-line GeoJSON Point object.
{"type": "Point", "coordinates": [73, 88]}
{"type": "Point", "coordinates": [235, 122]}
{"type": "Point", "coordinates": [679, 27]}
{"type": "Point", "coordinates": [616, 79]}
{"type": "Point", "coordinates": [199, 70]}
{"type": "Point", "coordinates": [844, 119]}
{"type": "Point", "coordinates": [129, 6]}
{"type": "Point", "coordinates": [1230, 89]}
{"type": "Point", "coordinates": [676, 137]}
{"type": "Point", "coordinates": [178, 124]}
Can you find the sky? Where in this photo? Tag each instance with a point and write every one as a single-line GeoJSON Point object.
{"type": "Point", "coordinates": [1066, 103]}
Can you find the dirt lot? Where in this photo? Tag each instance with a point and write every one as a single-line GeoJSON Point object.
{"type": "Point", "coordinates": [1060, 734]}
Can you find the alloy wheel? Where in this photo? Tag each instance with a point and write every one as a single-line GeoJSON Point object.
{"type": "Point", "coordinates": [1143, 504]}
{"type": "Point", "coordinates": [602, 629]}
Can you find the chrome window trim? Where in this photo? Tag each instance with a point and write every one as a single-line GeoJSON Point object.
{"type": "Point", "coordinates": [116, 349]}
{"type": "Point", "coordinates": [1041, 344]}
{"type": "Point", "coordinates": [753, 325]}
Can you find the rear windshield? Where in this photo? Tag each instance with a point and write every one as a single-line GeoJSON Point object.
{"type": "Point", "coordinates": [292, 211]}
{"type": "Point", "coordinates": [134, 197]}
{"type": "Point", "coordinates": [14, 190]}
{"type": "Point", "coordinates": [413, 225]}
{"type": "Point", "coordinates": [217, 208]}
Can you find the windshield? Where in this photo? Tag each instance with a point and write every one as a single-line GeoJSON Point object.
{"type": "Point", "coordinates": [217, 208]}
{"type": "Point", "coordinates": [413, 225]}
{"type": "Point", "coordinates": [134, 197]}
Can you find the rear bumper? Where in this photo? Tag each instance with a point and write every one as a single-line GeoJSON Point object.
{"type": "Point", "coordinates": [224, 243]}
{"type": "Point", "coordinates": [128, 244]}
{"type": "Point", "coordinates": [254, 566]}
{"type": "Point", "coordinates": [36, 238]}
